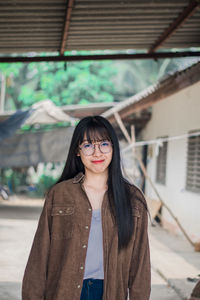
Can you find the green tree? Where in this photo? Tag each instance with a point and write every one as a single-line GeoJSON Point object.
{"type": "Point", "coordinates": [71, 83]}
{"type": "Point", "coordinates": [10, 72]}
{"type": "Point", "coordinates": [82, 82]}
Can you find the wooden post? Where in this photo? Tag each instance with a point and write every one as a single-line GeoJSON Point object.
{"type": "Point", "coordinates": [133, 137]}
{"type": "Point", "coordinates": [3, 93]}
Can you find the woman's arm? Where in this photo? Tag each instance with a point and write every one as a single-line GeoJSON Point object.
{"type": "Point", "coordinates": [140, 271]}
{"type": "Point", "coordinates": [33, 286]}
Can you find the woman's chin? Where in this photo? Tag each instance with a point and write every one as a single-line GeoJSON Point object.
{"type": "Point", "coordinates": [98, 169]}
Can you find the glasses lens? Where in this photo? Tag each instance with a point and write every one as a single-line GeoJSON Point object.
{"type": "Point", "coordinates": [87, 148]}
{"type": "Point", "coordinates": [105, 147]}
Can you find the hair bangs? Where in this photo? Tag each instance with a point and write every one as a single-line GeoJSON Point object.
{"type": "Point", "coordinates": [95, 132]}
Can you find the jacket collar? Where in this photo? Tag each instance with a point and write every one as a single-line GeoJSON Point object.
{"type": "Point", "coordinates": [79, 177]}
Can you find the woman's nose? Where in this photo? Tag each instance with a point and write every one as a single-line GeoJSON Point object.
{"type": "Point", "coordinates": [97, 150]}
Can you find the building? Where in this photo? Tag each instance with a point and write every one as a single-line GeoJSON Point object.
{"type": "Point", "coordinates": [169, 147]}
{"type": "Point", "coordinates": [174, 166]}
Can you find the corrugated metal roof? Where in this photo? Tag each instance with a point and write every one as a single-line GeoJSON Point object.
{"type": "Point", "coordinates": [188, 34]}
{"type": "Point", "coordinates": [38, 25]}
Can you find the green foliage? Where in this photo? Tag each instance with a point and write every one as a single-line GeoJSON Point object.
{"type": "Point", "coordinates": [14, 178]}
{"type": "Point", "coordinates": [82, 82]}
{"type": "Point", "coordinates": [26, 95]}
{"type": "Point", "coordinates": [17, 179]}
{"type": "Point", "coordinates": [10, 69]}
{"type": "Point", "coordinates": [75, 83]}
{"type": "Point", "coordinates": [44, 183]}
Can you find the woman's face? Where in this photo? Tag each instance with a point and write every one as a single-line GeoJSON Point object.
{"type": "Point", "coordinates": [97, 162]}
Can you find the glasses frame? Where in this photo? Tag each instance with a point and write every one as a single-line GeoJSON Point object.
{"type": "Point", "coordinates": [97, 143]}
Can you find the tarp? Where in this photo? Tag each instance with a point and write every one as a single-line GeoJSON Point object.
{"type": "Point", "coordinates": [13, 123]}
{"type": "Point", "coordinates": [43, 112]}
{"type": "Point", "coordinates": [46, 112]}
{"type": "Point", "coordinates": [28, 149]}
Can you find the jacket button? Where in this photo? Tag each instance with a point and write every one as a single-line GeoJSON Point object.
{"type": "Point", "coordinates": [81, 267]}
{"type": "Point", "coordinates": [86, 227]}
{"type": "Point", "coordinates": [78, 286]}
{"type": "Point", "coordinates": [84, 246]}
{"type": "Point", "coordinates": [89, 209]}
{"type": "Point", "coordinates": [60, 211]}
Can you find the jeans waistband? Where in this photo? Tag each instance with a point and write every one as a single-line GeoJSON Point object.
{"type": "Point", "coordinates": [93, 282]}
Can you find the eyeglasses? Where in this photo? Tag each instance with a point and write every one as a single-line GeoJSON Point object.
{"type": "Point", "coordinates": [89, 148]}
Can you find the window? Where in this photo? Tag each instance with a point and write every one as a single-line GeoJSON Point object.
{"type": "Point", "coordinates": [193, 164]}
{"type": "Point", "coordinates": [161, 164]}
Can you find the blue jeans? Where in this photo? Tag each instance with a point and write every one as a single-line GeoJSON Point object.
{"type": "Point", "coordinates": [92, 289]}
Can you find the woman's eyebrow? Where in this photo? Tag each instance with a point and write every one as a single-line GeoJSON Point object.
{"type": "Point", "coordinates": [95, 140]}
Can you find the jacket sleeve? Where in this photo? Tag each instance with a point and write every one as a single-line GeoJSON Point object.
{"type": "Point", "coordinates": [33, 285]}
{"type": "Point", "coordinates": [140, 271]}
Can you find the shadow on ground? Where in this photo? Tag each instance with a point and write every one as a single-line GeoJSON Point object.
{"type": "Point", "coordinates": [10, 290]}
{"type": "Point", "coordinates": [19, 212]}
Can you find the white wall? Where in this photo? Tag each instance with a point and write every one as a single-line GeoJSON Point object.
{"type": "Point", "coordinates": [173, 116]}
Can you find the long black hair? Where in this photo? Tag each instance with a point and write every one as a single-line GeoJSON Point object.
{"type": "Point", "coordinates": [97, 127]}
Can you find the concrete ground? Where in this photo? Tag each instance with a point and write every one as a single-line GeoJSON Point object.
{"type": "Point", "coordinates": [173, 260]}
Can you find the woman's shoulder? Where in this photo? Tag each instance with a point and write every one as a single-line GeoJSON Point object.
{"type": "Point", "coordinates": [64, 186]}
{"type": "Point", "coordinates": [137, 196]}
{"type": "Point", "coordinates": [61, 193]}
{"type": "Point", "coordinates": [64, 183]}
{"type": "Point", "coordinates": [134, 190]}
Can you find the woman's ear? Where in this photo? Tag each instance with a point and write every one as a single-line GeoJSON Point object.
{"type": "Point", "coordinates": [77, 151]}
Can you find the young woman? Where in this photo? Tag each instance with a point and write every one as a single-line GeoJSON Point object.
{"type": "Point", "coordinates": [91, 242]}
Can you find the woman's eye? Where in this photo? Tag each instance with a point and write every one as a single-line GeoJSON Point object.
{"type": "Point", "coordinates": [87, 146]}
{"type": "Point", "coordinates": [105, 144]}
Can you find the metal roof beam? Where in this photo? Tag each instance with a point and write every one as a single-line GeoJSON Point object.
{"type": "Point", "coordinates": [186, 13]}
{"type": "Point", "coordinates": [66, 26]}
{"type": "Point", "coordinates": [157, 55]}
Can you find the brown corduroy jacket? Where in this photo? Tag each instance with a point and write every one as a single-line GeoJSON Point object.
{"type": "Point", "coordinates": [55, 267]}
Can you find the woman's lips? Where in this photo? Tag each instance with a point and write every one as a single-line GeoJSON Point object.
{"type": "Point", "coordinates": [97, 161]}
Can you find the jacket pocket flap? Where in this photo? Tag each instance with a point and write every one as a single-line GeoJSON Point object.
{"type": "Point", "coordinates": [135, 212]}
{"type": "Point", "coordinates": [62, 210]}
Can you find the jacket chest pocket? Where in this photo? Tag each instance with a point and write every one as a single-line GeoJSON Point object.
{"type": "Point", "coordinates": [62, 222]}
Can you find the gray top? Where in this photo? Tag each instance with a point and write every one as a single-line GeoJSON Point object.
{"type": "Point", "coordinates": [94, 257]}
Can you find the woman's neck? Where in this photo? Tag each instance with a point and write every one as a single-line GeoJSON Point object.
{"type": "Point", "coordinates": [97, 181]}
{"type": "Point", "coordinates": [95, 186]}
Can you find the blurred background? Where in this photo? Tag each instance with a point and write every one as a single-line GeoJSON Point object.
{"type": "Point", "coordinates": [137, 63]}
